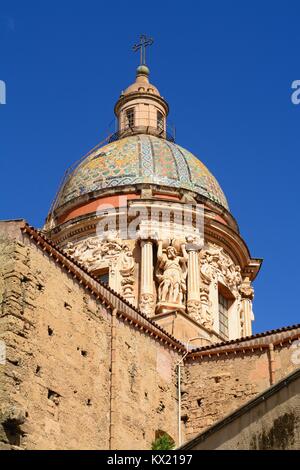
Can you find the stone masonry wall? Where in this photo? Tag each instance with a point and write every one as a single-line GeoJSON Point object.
{"type": "Point", "coordinates": [270, 421]}
{"type": "Point", "coordinates": [217, 385]}
{"type": "Point", "coordinates": [147, 390]}
{"type": "Point", "coordinates": [55, 388]}
{"type": "Point", "coordinates": [70, 367]}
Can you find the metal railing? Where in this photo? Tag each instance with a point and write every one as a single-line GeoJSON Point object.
{"type": "Point", "coordinates": [128, 131]}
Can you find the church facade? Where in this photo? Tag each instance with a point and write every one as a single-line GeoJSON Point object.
{"type": "Point", "coordinates": [129, 314]}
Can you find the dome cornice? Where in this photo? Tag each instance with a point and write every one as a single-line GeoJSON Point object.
{"type": "Point", "coordinates": [124, 99]}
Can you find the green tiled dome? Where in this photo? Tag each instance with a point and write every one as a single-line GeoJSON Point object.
{"type": "Point", "coordinates": [141, 159]}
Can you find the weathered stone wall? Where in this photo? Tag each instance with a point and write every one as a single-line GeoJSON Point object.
{"type": "Point", "coordinates": [147, 390]}
{"type": "Point", "coordinates": [215, 386]}
{"type": "Point", "coordinates": [58, 354]}
{"type": "Point", "coordinates": [55, 388]}
{"type": "Point", "coordinates": [77, 376]}
{"type": "Point", "coordinates": [270, 421]}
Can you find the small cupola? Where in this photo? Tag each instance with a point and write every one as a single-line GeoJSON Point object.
{"type": "Point", "coordinates": [141, 109]}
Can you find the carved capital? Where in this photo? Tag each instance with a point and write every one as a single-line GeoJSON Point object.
{"type": "Point", "coordinates": [193, 243]}
{"type": "Point", "coordinates": [246, 289]}
{"type": "Point", "coordinates": [147, 303]}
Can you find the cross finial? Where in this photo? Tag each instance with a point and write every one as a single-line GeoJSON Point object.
{"type": "Point", "coordinates": [144, 42]}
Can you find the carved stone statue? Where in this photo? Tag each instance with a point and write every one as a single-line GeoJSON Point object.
{"type": "Point", "coordinates": [171, 272]}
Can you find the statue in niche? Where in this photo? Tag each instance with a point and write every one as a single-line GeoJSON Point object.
{"type": "Point", "coordinates": [171, 273]}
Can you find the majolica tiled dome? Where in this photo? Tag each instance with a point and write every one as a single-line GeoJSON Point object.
{"type": "Point", "coordinates": [141, 159]}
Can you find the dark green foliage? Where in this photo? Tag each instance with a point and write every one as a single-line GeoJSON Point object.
{"type": "Point", "coordinates": [163, 442]}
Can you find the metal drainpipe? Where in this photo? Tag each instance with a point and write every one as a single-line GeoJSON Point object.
{"type": "Point", "coordinates": [179, 382]}
{"type": "Point", "coordinates": [112, 380]}
{"type": "Point", "coordinates": [272, 363]}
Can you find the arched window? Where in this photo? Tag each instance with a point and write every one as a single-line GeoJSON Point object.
{"type": "Point", "coordinates": [160, 121]}
{"type": "Point", "coordinates": [129, 118]}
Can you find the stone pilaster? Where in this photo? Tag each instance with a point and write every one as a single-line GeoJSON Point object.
{"type": "Point", "coordinates": [247, 294]}
{"type": "Point", "coordinates": [147, 294]}
{"type": "Point", "coordinates": [193, 281]}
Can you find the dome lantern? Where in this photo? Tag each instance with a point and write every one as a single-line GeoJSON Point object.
{"type": "Point", "coordinates": [140, 108]}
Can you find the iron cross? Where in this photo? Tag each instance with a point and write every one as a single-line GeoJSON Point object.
{"type": "Point", "coordinates": [144, 42]}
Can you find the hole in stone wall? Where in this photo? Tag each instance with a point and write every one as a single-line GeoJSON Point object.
{"type": "Point", "coordinates": [199, 401]}
{"type": "Point", "coordinates": [50, 331]}
{"type": "Point", "coordinates": [83, 353]}
{"type": "Point", "coordinates": [217, 380]}
{"type": "Point", "coordinates": [13, 431]}
{"type": "Point", "coordinates": [89, 402]}
{"type": "Point", "coordinates": [14, 362]}
{"type": "Point", "coordinates": [40, 287]}
{"type": "Point", "coordinates": [160, 407]}
{"type": "Point", "coordinates": [184, 418]}
{"type": "Point", "coordinates": [25, 279]}
{"type": "Point", "coordinates": [75, 391]}
{"type": "Point", "coordinates": [37, 370]}
{"type": "Point", "coordinates": [146, 394]}
{"type": "Point", "coordinates": [67, 306]}
{"type": "Point", "coordinates": [54, 396]}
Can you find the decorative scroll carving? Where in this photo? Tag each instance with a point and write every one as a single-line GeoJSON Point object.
{"type": "Point", "coordinates": [206, 316]}
{"type": "Point", "coordinates": [214, 263]}
{"type": "Point", "coordinates": [93, 250]}
{"type": "Point", "coordinates": [127, 273]}
{"type": "Point", "coordinates": [112, 245]}
{"type": "Point", "coordinates": [194, 309]}
{"type": "Point", "coordinates": [96, 252]}
{"type": "Point", "coordinates": [171, 273]}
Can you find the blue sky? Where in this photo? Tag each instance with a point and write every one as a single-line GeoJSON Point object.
{"type": "Point", "coordinates": [225, 68]}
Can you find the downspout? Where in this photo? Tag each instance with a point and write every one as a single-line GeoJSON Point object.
{"type": "Point", "coordinates": [179, 404]}
{"type": "Point", "coordinates": [113, 384]}
{"type": "Point", "coordinates": [179, 383]}
{"type": "Point", "coordinates": [179, 396]}
{"type": "Point", "coordinates": [271, 363]}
